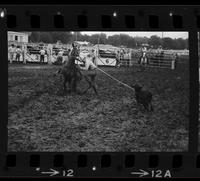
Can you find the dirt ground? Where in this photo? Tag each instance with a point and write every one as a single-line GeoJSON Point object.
{"type": "Point", "coordinates": [42, 118]}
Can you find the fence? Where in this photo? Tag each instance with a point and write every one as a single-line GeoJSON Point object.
{"type": "Point", "coordinates": [167, 60]}
{"type": "Point", "coordinates": [159, 60]}
{"type": "Point", "coordinates": [31, 54]}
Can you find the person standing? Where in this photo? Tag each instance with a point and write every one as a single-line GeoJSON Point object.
{"type": "Point", "coordinates": [18, 53]}
{"type": "Point", "coordinates": [11, 51]}
{"type": "Point", "coordinates": [60, 57]}
{"type": "Point", "coordinates": [117, 59]}
{"type": "Point", "coordinates": [174, 60]}
{"type": "Point", "coordinates": [89, 73]}
{"type": "Point", "coordinates": [144, 57]}
{"type": "Point", "coordinates": [42, 54]}
{"type": "Point", "coordinates": [93, 55]}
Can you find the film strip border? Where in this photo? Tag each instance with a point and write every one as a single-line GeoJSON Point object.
{"type": "Point", "coordinates": [102, 17]}
{"type": "Point", "coordinates": [105, 18]}
{"type": "Point", "coordinates": [152, 165]}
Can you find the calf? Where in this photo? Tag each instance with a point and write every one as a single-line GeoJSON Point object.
{"type": "Point", "coordinates": [143, 97]}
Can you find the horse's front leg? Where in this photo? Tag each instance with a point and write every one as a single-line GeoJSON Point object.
{"type": "Point", "coordinates": [73, 84]}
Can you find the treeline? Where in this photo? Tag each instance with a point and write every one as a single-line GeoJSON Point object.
{"type": "Point", "coordinates": [115, 40]}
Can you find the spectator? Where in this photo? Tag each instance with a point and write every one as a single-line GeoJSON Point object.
{"type": "Point", "coordinates": [18, 53]}
{"type": "Point", "coordinates": [60, 57]}
{"type": "Point", "coordinates": [121, 54]}
{"type": "Point", "coordinates": [174, 60]}
{"type": "Point", "coordinates": [117, 59]}
{"type": "Point", "coordinates": [42, 53]}
{"type": "Point", "coordinates": [159, 50]}
{"type": "Point", "coordinates": [11, 52]}
{"type": "Point", "coordinates": [93, 57]}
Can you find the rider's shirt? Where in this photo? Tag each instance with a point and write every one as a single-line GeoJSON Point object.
{"type": "Point", "coordinates": [144, 51]}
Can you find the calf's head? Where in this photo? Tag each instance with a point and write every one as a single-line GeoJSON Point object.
{"type": "Point", "coordinates": [137, 88]}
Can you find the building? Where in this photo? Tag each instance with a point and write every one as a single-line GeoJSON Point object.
{"type": "Point", "coordinates": [17, 37]}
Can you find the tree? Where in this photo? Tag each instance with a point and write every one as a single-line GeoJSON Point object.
{"type": "Point", "coordinates": [115, 40]}
{"type": "Point", "coordinates": [34, 37]}
{"type": "Point", "coordinates": [168, 43]}
{"type": "Point", "coordinates": [103, 38]}
{"type": "Point", "coordinates": [46, 37]}
{"type": "Point", "coordinates": [140, 40]}
{"type": "Point", "coordinates": [155, 41]}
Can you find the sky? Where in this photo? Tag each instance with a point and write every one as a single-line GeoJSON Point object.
{"type": "Point", "coordinates": [148, 34]}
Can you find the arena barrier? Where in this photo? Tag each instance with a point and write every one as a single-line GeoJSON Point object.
{"type": "Point", "coordinates": [33, 56]}
{"type": "Point", "coordinates": [156, 60]}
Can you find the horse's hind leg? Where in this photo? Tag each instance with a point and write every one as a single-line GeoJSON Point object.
{"type": "Point", "coordinates": [93, 84]}
{"type": "Point", "coordinates": [71, 84]}
{"type": "Point", "coordinates": [90, 84]}
{"type": "Point", "coordinates": [95, 89]}
{"type": "Point", "coordinates": [74, 84]}
{"type": "Point", "coordinates": [64, 84]}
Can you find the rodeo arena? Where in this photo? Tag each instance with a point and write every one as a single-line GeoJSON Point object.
{"type": "Point", "coordinates": [96, 97]}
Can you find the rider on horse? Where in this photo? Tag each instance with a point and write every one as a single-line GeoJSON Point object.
{"type": "Point", "coordinates": [143, 61]}
{"type": "Point", "coordinates": [144, 56]}
{"type": "Point", "coordinates": [70, 70]}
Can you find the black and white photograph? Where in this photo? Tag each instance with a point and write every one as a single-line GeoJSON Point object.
{"type": "Point", "coordinates": [95, 91]}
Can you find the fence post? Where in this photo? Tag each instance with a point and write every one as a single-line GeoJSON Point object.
{"type": "Point", "coordinates": [49, 52]}
{"type": "Point", "coordinates": [173, 64]}
{"type": "Point", "coordinates": [24, 53]}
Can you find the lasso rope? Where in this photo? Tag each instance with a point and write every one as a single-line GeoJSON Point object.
{"type": "Point", "coordinates": [126, 85]}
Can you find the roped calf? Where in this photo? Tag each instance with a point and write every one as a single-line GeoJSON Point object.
{"type": "Point", "coordinates": [143, 97]}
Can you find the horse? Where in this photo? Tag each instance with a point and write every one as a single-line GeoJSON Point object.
{"type": "Point", "coordinates": [72, 74]}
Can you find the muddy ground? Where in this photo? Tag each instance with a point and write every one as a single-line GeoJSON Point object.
{"type": "Point", "coordinates": [42, 118]}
